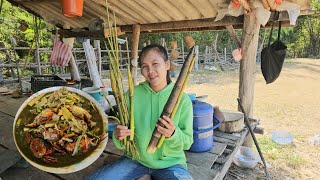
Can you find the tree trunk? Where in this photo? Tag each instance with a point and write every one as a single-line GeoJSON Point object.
{"type": "Point", "coordinates": [248, 66]}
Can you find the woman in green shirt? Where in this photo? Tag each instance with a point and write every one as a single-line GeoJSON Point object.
{"type": "Point", "coordinates": [169, 161]}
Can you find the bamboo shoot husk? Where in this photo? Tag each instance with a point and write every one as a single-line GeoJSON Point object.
{"type": "Point", "coordinates": [179, 99]}
{"type": "Point", "coordinates": [169, 106]}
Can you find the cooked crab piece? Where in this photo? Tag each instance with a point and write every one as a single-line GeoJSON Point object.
{"type": "Point", "coordinates": [28, 137]}
{"type": "Point", "coordinates": [38, 147]}
{"type": "Point", "coordinates": [85, 144]}
{"type": "Point", "coordinates": [80, 112]}
{"type": "Point", "coordinates": [49, 149]}
{"type": "Point", "coordinates": [44, 117]}
{"type": "Point", "coordinates": [51, 134]}
{"type": "Point", "coordinates": [49, 159]}
{"type": "Point", "coordinates": [70, 147]}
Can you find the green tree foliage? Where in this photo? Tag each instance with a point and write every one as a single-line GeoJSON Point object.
{"type": "Point", "coordinates": [12, 19]}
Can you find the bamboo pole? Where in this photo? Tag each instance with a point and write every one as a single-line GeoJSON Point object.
{"type": "Point", "coordinates": [134, 52]}
{"type": "Point", "coordinates": [169, 106]}
{"type": "Point", "coordinates": [128, 53]}
{"type": "Point", "coordinates": [179, 99]}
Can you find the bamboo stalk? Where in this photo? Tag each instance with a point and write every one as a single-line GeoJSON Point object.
{"type": "Point", "coordinates": [169, 106]}
{"type": "Point", "coordinates": [130, 82]}
{"type": "Point", "coordinates": [179, 98]}
{"type": "Point", "coordinates": [125, 117]}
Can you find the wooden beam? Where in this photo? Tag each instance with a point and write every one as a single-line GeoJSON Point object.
{"type": "Point", "coordinates": [106, 32]}
{"type": "Point", "coordinates": [209, 22]}
{"type": "Point", "coordinates": [66, 33]}
{"type": "Point", "coordinates": [250, 38]}
{"type": "Point", "coordinates": [134, 52]}
{"type": "Point", "coordinates": [97, 34]}
{"type": "Point", "coordinates": [23, 66]}
{"type": "Point", "coordinates": [214, 28]}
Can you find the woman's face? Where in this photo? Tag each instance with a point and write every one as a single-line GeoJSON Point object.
{"type": "Point", "coordinates": [154, 68]}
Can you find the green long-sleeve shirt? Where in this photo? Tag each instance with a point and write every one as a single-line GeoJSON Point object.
{"type": "Point", "coordinates": [148, 106]}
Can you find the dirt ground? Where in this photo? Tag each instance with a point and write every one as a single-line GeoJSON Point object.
{"type": "Point", "coordinates": [291, 103]}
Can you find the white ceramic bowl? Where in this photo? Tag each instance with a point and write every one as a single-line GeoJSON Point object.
{"type": "Point", "coordinates": [246, 157]}
{"type": "Point", "coordinates": [76, 166]}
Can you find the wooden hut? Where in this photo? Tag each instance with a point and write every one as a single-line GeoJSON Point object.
{"type": "Point", "coordinates": [152, 16]}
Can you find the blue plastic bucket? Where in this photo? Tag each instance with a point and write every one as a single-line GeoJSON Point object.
{"type": "Point", "coordinates": [203, 139]}
{"type": "Point", "coordinates": [94, 92]}
{"type": "Point", "coordinates": [202, 115]}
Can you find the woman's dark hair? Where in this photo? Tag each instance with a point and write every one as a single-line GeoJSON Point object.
{"type": "Point", "coordinates": [161, 50]}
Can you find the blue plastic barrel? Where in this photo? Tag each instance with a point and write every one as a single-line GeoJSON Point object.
{"type": "Point", "coordinates": [203, 124]}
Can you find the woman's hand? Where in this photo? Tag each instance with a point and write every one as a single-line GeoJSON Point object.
{"type": "Point", "coordinates": [121, 132]}
{"type": "Point", "coordinates": [168, 128]}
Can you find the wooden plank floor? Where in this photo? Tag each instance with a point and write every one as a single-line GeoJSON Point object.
{"type": "Point", "coordinates": [213, 164]}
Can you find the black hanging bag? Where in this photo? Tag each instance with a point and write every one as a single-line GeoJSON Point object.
{"type": "Point", "coordinates": [272, 57]}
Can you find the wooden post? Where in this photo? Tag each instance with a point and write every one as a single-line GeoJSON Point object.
{"type": "Point", "coordinates": [182, 49]}
{"type": "Point", "coordinates": [1, 77]}
{"type": "Point", "coordinates": [128, 53]}
{"type": "Point", "coordinates": [196, 61]}
{"type": "Point", "coordinates": [121, 58]}
{"type": "Point", "coordinates": [134, 52]}
{"type": "Point", "coordinates": [37, 55]}
{"type": "Point", "coordinates": [97, 46]}
{"type": "Point", "coordinates": [206, 55]}
{"type": "Point", "coordinates": [225, 54]}
{"type": "Point", "coordinates": [248, 66]}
